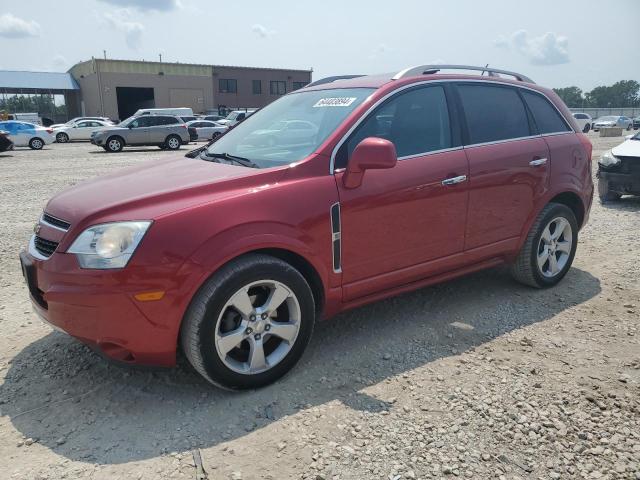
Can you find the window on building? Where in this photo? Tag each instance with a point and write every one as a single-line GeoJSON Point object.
{"type": "Point", "coordinates": [493, 113]}
{"type": "Point", "coordinates": [278, 87]}
{"type": "Point", "coordinates": [228, 85]}
{"type": "Point", "coordinates": [299, 85]}
{"type": "Point", "coordinates": [257, 87]}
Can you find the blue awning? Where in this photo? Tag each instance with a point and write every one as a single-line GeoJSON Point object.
{"type": "Point", "coordinates": [12, 81]}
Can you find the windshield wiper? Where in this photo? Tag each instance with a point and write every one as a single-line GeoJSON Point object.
{"type": "Point", "coordinates": [245, 162]}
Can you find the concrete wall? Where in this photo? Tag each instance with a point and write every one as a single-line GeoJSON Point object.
{"type": "Point", "coordinates": [630, 112]}
{"type": "Point", "coordinates": [176, 85]}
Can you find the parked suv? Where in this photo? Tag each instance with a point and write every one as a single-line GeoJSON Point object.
{"type": "Point", "coordinates": [409, 180]}
{"type": "Point", "coordinates": [166, 131]}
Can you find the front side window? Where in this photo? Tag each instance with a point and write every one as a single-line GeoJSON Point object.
{"type": "Point", "coordinates": [278, 87]}
{"type": "Point", "coordinates": [228, 85]}
{"type": "Point", "coordinates": [493, 113]}
{"type": "Point", "coordinates": [546, 116]}
{"type": "Point", "coordinates": [264, 139]}
{"type": "Point", "coordinates": [416, 122]}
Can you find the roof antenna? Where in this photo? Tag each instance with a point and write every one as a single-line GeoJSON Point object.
{"type": "Point", "coordinates": [482, 74]}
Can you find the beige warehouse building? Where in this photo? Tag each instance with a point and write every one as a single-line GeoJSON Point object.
{"type": "Point", "coordinates": [117, 88]}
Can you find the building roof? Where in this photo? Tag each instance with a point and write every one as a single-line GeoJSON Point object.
{"type": "Point", "coordinates": [12, 80]}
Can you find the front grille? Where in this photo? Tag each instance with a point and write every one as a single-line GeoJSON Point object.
{"type": "Point", "coordinates": [44, 247]}
{"type": "Point", "coordinates": [56, 222]}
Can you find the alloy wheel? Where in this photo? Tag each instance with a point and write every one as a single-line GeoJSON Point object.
{"type": "Point", "coordinates": [554, 248]}
{"type": "Point", "coordinates": [114, 145]}
{"type": "Point", "coordinates": [257, 327]}
{"type": "Point", "coordinates": [173, 143]}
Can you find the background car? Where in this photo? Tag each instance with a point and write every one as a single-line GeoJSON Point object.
{"type": "Point", "coordinates": [24, 134]}
{"type": "Point", "coordinates": [75, 120]}
{"type": "Point", "coordinates": [213, 118]}
{"type": "Point", "coordinates": [206, 130]}
{"type": "Point", "coordinates": [5, 141]}
{"type": "Point", "coordinates": [612, 121]}
{"type": "Point", "coordinates": [636, 123]}
{"type": "Point", "coordinates": [584, 120]}
{"type": "Point", "coordinates": [165, 131]}
{"type": "Point", "coordinates": [79, 131]}
{"type": "Point", "coordinates": [619, 170]}
{"type": "Point", "coordinates": [236, 116]}
{"type": "Point", "coordinates": [286, 132]}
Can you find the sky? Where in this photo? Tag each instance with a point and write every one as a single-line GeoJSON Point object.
{"type": "Point", "coordinates": [557, 43]}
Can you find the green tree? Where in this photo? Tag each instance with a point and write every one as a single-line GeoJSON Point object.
{"type": "Point", "coordinates": [625, 93]}
{"type": "Point", "coordinates": [572, 96]}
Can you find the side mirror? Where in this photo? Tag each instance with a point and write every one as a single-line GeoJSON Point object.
{"type": "Point", "coordinates": [130, 126]}
{"type": "Point", "coordinates": [371, 153]}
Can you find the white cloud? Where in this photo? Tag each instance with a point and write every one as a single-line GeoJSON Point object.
{"type": "Point", "coordinates": [14, 27]}
{"type": "Point", "coordinates": [262, 31]}
{"type": "Point", "coordinates": [158, 5]}
{"type": "Point", "coordinates": [120, 20]}
{"type": "Point", "coordinates": [59, 63]}
{"type": "Point", "coordinates": [547, 49]}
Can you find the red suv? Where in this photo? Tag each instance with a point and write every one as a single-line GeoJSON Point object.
{"type": "Point", "coordinates": [342, 193]}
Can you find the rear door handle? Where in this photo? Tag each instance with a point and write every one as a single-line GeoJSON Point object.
{"type": "Point", "coordinates": [537, 162]}
{"type": "Point", "coordinates": [454, 180]}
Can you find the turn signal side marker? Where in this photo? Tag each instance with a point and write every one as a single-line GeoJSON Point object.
{"type": "Point", "coordinates": [149, 296]}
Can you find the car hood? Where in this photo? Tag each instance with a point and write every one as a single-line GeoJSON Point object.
{"type": "Point", "coordinates": [154, 189]}
{"type": "Point", "coordinates": [629, 148]}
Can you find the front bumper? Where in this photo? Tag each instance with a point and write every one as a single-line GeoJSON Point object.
{"type": "Point", "coordinates": [97, 141]}
{"type": "Point", "coordinates": [99, 308]}
{"type": "Point", "coordinates": [622, 183]}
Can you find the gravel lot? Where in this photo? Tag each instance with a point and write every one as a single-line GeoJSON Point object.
{"type": "Point", "coordinates": [475, 378]}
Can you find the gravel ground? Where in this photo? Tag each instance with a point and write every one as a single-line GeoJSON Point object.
{"type": "Point", "coordinates": [475, 378]}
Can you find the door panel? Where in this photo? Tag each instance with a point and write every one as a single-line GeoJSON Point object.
{"type": "Point", "coordinates": [402, 217]}
{"type": "Point", "coordinates": [504, 187]}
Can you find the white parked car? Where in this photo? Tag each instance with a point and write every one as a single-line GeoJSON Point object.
{"type": "Point", "coordinates": [613, 121]}
{"type": "Point", "coordinates": [24, 134]}
{"type": "Point", "coordinates": [75, 120]}
{"type": "Point", "coordinates": [81, 130]}
{"type": "Point", "coordinates": [584, 120]}
{"type": "Point", "coordinates": [236, 116]}
{"type": "Point", "coordinates": [206, 129]}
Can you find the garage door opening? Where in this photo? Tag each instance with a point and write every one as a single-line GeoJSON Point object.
{"type": "Point", "coordinates": [131, 99]}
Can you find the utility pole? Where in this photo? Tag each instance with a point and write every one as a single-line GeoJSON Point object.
{"type": "Point", "coordinates": [104, 52]}
{"type": "Point", "coordinates": [160, 55]}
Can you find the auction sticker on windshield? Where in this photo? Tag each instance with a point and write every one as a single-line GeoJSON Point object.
{"type": "Point", "coordinates": [335, 102]}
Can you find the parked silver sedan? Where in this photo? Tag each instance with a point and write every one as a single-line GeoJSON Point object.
{"type": "Point", "coordinates": [207, 130]}
{"type": "Point", "coordinates": [613, 121]}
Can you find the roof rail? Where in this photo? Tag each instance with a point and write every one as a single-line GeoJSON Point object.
{"type": "Point", "coordinates": [429, 69]}
{"type": "Point", "coordinates": [322, 81]}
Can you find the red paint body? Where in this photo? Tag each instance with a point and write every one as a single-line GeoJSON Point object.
{"type": "Point", "coordinates": [401, 228]}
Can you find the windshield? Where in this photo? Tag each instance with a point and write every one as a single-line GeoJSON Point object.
{"type": "Point", "coordinates": [126, 121]}
{"type": "Point", "coordinates": [291, 128]}
{"type": "Point", "coordinates": [608, 119]}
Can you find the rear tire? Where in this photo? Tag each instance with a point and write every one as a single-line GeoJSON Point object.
{"type": "Point", "coordinates": [548, 251]}
{"type": "Point", "coordinates": [114, 144]}
{"type": "Point", "coordinates": [586, 128]}
{"type": "Point", "coordinates": [62, 137]}
{"type": "Point", "coordinates": [36, 143]}
{"type": "Point", "coordinates": [172, 142]}
{"type": "Point", "coordinates": [605, 194]}
{"type": "Point", "coordinates": [238, 348]}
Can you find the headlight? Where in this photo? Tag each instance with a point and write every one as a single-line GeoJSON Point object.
{"type": "Point", "coordinates": [109, 245]}
{"type": "Point", "coordinates": [608, 159]}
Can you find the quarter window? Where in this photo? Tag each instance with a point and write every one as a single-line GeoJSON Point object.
{"type": "Point", "coordinates": [228, 85]}
{"type": "Point", "coordinates": [278, 87]}
{"type": "Point", "coordinates": [547, 118]}
{"type": "Point", "coordinates": [416, 121]}
{"type": "Point", "coordinates": [493, 113]}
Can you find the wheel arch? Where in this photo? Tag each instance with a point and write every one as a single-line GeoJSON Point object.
{"type": "Point", "coordinates": [574, 202]}
{"type": "Point", "coordinates": [115, 135]}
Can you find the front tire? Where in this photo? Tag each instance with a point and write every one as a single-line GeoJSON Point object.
{"type": "Point", "coordinates": [586, 128]}
{"type": "Point", "coordinates": [605, 194]}
{"type": "Point", "coordinates": [250, 323]}
{"type": "Point", "coordinates": [172, 142]}
{"type": "Point", "coordinates": [62, 137]}
{"type": "Point", "coordinates": [36, 143]}
{"type": "Point", "coordinates": [114, 144]}
{"type": "Point", "coordinates": [548, 251]}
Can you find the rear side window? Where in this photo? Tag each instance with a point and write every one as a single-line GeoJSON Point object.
{"type": "Point", "coordinates": [416, 122]}
{"type": "Point", "coordinates": [546, 116]}
{"type": "Point", "coordinates": [493, 113]}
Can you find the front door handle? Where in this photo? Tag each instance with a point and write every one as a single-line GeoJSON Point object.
{"type": "Point", "coordinates": [537, 162]}
{"type": "Point", "coordinates": [454, 180]}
